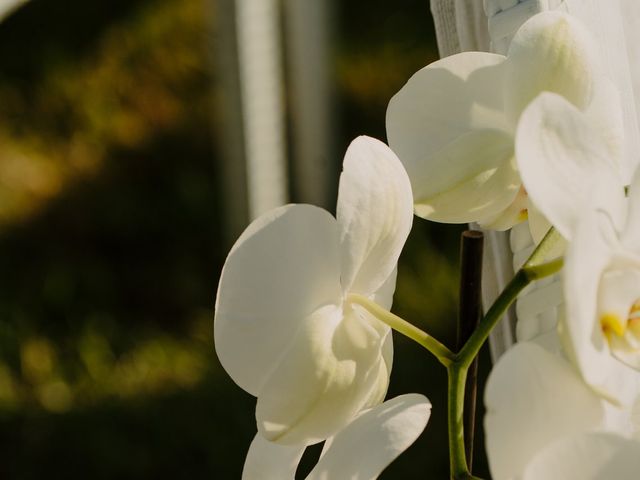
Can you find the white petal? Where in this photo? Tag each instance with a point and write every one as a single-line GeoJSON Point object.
{"type": "Point", "coordinates": [375, 213]}
{"type": "Point", "coordinates": [587, 457]}
{"type": "Point", "coordinates": [384, 374]}
{"type": "Point", "coordinates": [618, 290]}
{"type": "Point", "coordinates": [447, 126]}
{"type": "Point", "coordinates": [271, 461]}
{"type": "Point", "coordinates": [476, 179]}
{"type": "Point", "coordinates": [328, 375]}
{"type": "Point", "coordinates": [538, 224]}
{"type": "Point", "coordinates": [384, 295]}
{"type": "Point", "coordinates": [551, 52]}
{"type": "Point", "coordinates": [587, 257]}
{"type": "Point", "coordinates": [442, 102]}
{"type": "Point", "coordinates": [283, 267]}
{"type": "Point", "coordinates": [532, 397]}
{"type": "Point", "coordinates": [565, 164]}
{"type": "Point", "coordinates": [371, 442]}
{"type": "Point", "coordinates": [606, 115]}
{"type": "Point", "coordinates": [515, 213]}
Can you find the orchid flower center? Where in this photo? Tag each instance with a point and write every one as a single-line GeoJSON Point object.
{"type": "Point", "coordinates": [613, 324]}
{"type": "Point", "coordinates": [619, 313]}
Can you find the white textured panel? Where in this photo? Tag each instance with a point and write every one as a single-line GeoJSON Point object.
{"type": "Point", "coordinates": [309, 61]}
{"type": "Point", "coordinates": [260, 62]}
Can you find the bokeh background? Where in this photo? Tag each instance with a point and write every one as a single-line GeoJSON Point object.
{"type": "Point", "coordinates": [112, 237]}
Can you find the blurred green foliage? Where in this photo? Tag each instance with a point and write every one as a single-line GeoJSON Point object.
{"type": "Point", "coordinates": [110, 241]}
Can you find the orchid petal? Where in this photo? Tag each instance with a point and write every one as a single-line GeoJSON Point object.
{"type": "Point", "coordinates": [375, 213]}
{"type": "Point", "coordinates": [586, 260]}
{"type": "Point", "coordinates": [442, 102]}
{"type": "Point", "coordinates": [538, 224]}
{"type": "Point", "coordinates": [524, 412]}
{"type": "Point", "coordinates": [330, 372]}
{"type": "Point", "coordinates": [606, 116]}
{"type": "Point", "coordinates": [515, 213]}
{"type": "Point", "coordinates": [271, 461]}
{"type": "Point", "coordinates": [384, 295]}
{"type": "Point", "coordinates": [384, 298]}
{"type": "Point", "coordinates": [595, 456]}
{"type": "Point", "coordinates": [284, 266]}
{"type": "Point", "coordinates": [373, 440]}
{"type": "Point", "coordinates": [565, 164]}
{"type": "Point", "coordinates": [448, 128]}
{"type": "Point", "coordinates": [551, 52]}
{"type": "Point", "coordinates": [477, 179]}
{"type": "Point", "coordinates": [381, 386]}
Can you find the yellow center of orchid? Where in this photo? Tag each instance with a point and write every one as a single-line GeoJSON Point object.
{"type": "Point", "coordinates": [614, 324]}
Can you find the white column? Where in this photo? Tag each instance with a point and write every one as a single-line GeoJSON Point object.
{"type": "Point", "coordinates": [7, 7]}
{"type": "Point", "coordinates": [260, 66]}
{"type": "Point", "coordinates": [311, 106]}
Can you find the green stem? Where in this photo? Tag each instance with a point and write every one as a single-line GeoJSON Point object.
{"type": "Point", "coordinates": [455, 410]}
{"type": "Point", "coordinates": [508, 295]}
{"type": "Point", "coordinates": [549, 243]}
{"type": "Point", "coordinates": [440, 351]}
{"type": "Point", "coordinates": [532, 270]}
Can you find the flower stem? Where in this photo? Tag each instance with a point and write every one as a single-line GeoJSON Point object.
{"type": "Point", "coordinates": [532, 270]}
{"type": "Point", "coordinates": [455, 410]}
{"type": "Point", "coordinates": [440, 351]}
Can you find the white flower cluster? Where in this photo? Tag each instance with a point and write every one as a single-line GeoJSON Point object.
{"type": "Point", "coordinates": [537, 135]}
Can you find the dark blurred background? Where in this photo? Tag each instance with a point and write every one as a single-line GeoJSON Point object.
{"type": "Point", "coordinates": [112, 238]}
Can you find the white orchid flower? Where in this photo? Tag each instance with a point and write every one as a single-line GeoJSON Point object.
{"type": "Point", "coordinates": [361, 450]}
{"type": "Point", "coordinates": [453, 124]}
{"type": "Point", "coordinates": [572, 174]}
{"type": "Point", "coordinates": [532, 398]}
{"type": "Point", "coordinates": [594, 456]}
{"type": "Point", "coordinates": [569, 161]}
{"type": "Point", "coordinates": [283, 328]}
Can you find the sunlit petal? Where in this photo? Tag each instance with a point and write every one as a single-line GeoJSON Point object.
{"type": "Point", "coordinates": [448, 128]}
{"type": "Point", "coordinates": [551, 52]}
{"type": "Point", "coordinates": [565, 164]}
{"type": "Point", "coordinates": [515, 213]}
{"type": "Point", "coordinates": [587, 457]}
{"type": "Point", "coordinates": [476, 179]}
{"type": "Point", "coordinates": [532, 397]}
{"type": "Point", "coordinates": [538, 223]}
{"type": "Point", "coordinates": [384, 295]}
{"type": "Point", "coordinates": [329, 373]}
{"type": "Point", "coordinates": [375, 213]}
{"type": "Point", "coordinates": [442, 102]}
{"type": "Point", "coordinates": [271, 461]}
{"type": "Point", "coordinates": [284, 267]}
{"type": "Point", "coordinates": [606, 116]}
{"type": "Point", "coordinates": [372, 441]}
